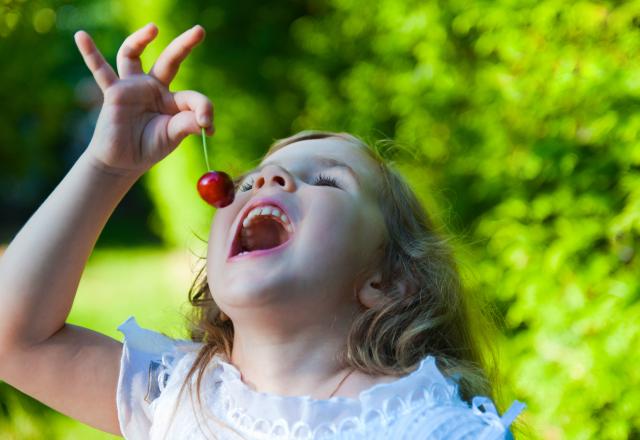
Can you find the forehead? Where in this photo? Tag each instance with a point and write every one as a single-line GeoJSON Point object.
{"type": "Point", "coordinates": [315, 152]}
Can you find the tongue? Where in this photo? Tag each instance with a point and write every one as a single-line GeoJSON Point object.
{"type": "Point", "coordinates": [263, 234]}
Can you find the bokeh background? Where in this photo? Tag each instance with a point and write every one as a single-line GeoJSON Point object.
{"type": "Point", "coordinates": [517, 122]}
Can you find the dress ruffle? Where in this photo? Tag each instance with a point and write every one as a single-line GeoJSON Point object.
{"type": "Point", "coordinates": [423, 403]}
{"type": "Point", "coordinates": [268, 414]}
{"type": "Point", "coordinates": [263, 415]}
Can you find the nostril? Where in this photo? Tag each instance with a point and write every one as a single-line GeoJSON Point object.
{"type": "Point", "coordinates": [280, 180]}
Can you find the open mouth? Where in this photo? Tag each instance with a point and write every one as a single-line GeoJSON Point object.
{"type": "Point", "coordinates": [263, 229]}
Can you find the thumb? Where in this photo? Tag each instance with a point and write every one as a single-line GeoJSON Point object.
{"type": "Point", "coordinates": [183, 124]}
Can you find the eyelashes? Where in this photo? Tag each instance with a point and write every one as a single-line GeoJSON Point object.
{"type": "Point", "coordinates": [247, 186]}
{"type": "Point", "coordinates": [321, 180]}
{"type": "Point", "coordinates": [325, 181]}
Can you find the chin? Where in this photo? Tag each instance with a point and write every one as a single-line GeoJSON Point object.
{"type": "Point", "coordinates": [243, 289]}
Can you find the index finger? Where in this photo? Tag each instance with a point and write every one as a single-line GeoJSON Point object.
{"type": "Point", "coordinates": [101, 70]}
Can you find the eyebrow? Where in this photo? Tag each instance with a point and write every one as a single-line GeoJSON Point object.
{"type": "Point", "coordinates": [324, 162]}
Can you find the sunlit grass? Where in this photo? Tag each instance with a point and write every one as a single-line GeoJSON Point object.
{"type": "Point", "coordinates": [150, 284]}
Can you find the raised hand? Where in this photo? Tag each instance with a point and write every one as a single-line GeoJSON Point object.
{"type": "Point", "coordinates": [141, 121]}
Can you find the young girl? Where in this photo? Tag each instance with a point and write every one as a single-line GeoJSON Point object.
{"type": "Point", "coordinates": [331, 309]}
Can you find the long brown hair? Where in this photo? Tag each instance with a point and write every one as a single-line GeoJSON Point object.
{"type": "Point", "coordinates": [436, 316]}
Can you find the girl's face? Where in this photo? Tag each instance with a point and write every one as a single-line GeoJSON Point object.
{"type": "Point", "coordinates": [336, 231]}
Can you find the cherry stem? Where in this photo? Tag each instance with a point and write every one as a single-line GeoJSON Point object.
{"type": "Point", "coordinates": [204, 147]}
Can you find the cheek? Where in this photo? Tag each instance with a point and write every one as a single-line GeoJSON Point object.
{"type": "Point", "coordinates": [329, 232]}
{"type": "Point", "coordinates": [220, 234]}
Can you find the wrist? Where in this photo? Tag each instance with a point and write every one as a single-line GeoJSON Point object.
{"type": "Point", "coordinates": [100, 167]}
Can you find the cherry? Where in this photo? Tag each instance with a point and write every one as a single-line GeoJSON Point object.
{"type": "Point", "coordinates": [215, 187]}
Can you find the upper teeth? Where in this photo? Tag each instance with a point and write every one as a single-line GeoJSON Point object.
{"type": "Point", "coordinates": [267, 211]}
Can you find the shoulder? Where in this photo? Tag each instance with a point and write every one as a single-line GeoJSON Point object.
{"type": "Point", "coordinates": [149, 359]}
{"type": "Point", "coordinates": [427, 404]}
{"type": "Point", "coordinates": [442, 414]}
{"type": "Point", "coordinates": [148, 351]}
{"type": "Point", "coordinates": [456, 419]}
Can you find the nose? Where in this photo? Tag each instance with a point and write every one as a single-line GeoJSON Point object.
{"type": "Point", "coordinates": [274, 175]}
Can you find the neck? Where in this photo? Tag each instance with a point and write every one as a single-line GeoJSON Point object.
{"type": "Point", "coordinates": [298, 361]}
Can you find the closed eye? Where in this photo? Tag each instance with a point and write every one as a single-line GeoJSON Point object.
{"type": "Point", "coordinates": [320, 180]}
{"type": "Point", "coordinates": [325, 180]}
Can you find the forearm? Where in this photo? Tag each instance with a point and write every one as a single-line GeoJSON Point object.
{"type": "Point", "coordinates": [41, 268]}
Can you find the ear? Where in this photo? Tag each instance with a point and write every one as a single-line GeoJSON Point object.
{"type": "Point", "coordinates": [370, 293]}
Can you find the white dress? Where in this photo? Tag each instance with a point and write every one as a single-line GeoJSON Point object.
{"type": "Point", "coordinates": [422, 405]}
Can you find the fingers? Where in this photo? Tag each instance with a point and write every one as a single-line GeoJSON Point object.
{"type": "Point", "coordinates": [199, 104]}
{"type": "Point", "coordinates": [102, 72]}
{"type": "Point", "coordinates": [128, 58]}
{"type": "Point", "coordinates": [167, 65]}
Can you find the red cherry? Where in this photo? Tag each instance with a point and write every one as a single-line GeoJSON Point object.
{"type": "Point", "coordinates": [216, 188]}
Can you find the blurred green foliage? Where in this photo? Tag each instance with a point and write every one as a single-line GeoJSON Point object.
{"type": "Point", "coordinates": [517, 122]}
{"type": "Point", "coordinates": [524, 117]}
